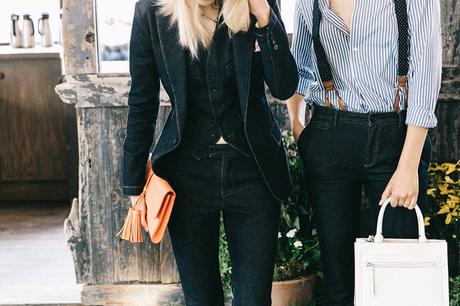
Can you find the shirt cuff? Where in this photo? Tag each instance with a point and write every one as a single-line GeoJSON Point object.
{"type": "Point", "coordinates": [303, 86]}
{"type": "Point", "coordinates": [132, 190]}
{"type": "Point", "coordinates": [421, 117]}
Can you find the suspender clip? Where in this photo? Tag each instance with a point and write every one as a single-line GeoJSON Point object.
{"type": "Point", "coordinates": [402, 85]}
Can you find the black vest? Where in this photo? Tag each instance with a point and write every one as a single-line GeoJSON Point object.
{"type": "Point", "coordinates": [213, 108]}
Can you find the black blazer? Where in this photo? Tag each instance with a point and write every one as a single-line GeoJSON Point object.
{"type": "Point", "coordinates": [157, 56]}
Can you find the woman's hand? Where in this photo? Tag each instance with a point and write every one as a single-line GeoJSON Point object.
{"type": "Point", "coordinates": [261, 10]}
{"type": "Point", "coordinates": [403, 187]}
{"type": "Point", "coordinates": [142, 209]}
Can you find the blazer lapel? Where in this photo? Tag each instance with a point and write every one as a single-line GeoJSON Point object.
{"type": "Point", "coordinates": [243, 43]}
{"type": "Point", "coordinates": [174, 60]}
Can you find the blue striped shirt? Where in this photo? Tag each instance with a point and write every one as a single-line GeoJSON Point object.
{"type": "Point", "coordinates": [364, 62]}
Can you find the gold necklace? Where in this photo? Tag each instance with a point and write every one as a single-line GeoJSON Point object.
{"type": "Point", "coordinates": [206, 18]}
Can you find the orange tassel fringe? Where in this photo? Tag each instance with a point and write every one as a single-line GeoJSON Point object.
{"type": "Point", "coordinates": [132, 229]}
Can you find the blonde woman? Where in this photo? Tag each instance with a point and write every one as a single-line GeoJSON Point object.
{"type": "Point", "coordinates": [220, 148]}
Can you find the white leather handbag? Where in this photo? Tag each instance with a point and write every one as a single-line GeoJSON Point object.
{"type": "Point", "coordinates": [401, 272]}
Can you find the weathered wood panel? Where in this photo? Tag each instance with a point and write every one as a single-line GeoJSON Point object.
{"type": "Point", "coordinates": [79, 40]}
{"type": "Point", "coordinates": [101, 135]}
{"type": "Point", "coordinates": [445, 138]}
{"type": "Point", "coordinates": [100, 257]}
{"type": "Point", "coordinates": [450, 25]}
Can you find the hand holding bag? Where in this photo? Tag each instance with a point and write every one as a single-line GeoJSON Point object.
{"type": "Point", "coordinates": [401, 272]}
{"type": "Point", "coordinates": [158, 199]}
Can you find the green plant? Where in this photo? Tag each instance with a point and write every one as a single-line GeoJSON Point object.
{"type": "Point", "coordinates": [443, 218]}
{"type": "Point", "coordinates": [224, 260]}
{"type": "Point", "coordinates": [455, 291]}
{"type": "Point", "coordinates": [298, 246]}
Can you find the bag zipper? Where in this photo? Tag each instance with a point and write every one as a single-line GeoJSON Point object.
{"type": "Point", "coordinates": [398, 265]}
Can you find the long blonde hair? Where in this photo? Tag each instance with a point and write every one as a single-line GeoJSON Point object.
{"type": "Point", "coordinates": [192, 33]}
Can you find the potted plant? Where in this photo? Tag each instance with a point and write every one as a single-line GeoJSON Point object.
{"type": "Point", "coordinates": [297, 259]}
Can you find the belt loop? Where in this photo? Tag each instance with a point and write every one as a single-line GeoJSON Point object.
{"type": "Point", "coordinates": [402, 121]}
{"type": "Point", "coordinates": [336, 117]}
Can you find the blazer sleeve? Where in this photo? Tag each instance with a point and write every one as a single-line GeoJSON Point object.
{"type": "Point", "coordinates": [143, 102]}
{"type": "Point", "coordinates": [280, 70]}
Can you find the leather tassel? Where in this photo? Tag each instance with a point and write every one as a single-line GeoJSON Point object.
{"type": "Point", "coordinates": [132, 228]}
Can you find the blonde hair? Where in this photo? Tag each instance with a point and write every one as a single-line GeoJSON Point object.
{"type": "Point", "coordinates": [192, 33]}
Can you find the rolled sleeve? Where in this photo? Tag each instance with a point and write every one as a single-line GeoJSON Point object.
{"type": "Point", "coordinates": [302, 51]}
{"type": "Point", "coordinates": [425, 66]}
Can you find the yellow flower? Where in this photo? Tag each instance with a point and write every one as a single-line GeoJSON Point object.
{"type": "Point", "coordinates": [427, 221]}
{"type": "Point", "coordinates": [444, 188]}
{"type": "Point", "coordinates": [453, 199]}
{"type": "Point", "coordinates": [452, 167]}
{"type": "Point", "coordinates": [448, 218]}
{"type": "Point", "coordinates": [431, 192]}
{"type": "Point", "coordinates": [444, 210]}
{"type": "Point", "coordinates": [450, 209]}
{"type": "Point", "coordinates": [438, 167]}
{"type": "Point", "coordinates": [449, 180]}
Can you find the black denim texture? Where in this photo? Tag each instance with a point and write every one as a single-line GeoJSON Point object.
{"type": "Point", "coordinates": [343, 153]}
{"type": "Point", "coordinates": [157, 55]}
{"type": "Point", "coordinates": [229, 184]}
{"type": "Point", "coordinates": [214, 110]}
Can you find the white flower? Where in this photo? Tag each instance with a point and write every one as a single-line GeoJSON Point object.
{"type": "Point", "coordinates": [291, 233]}
{"type": "Point", "coordinates": [279, 235]}
{"type": "Point", "coordinates": [298, 244]}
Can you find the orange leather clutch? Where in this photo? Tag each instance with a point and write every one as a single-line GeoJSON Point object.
{"type": "Point", "coordinates": [158, 199]}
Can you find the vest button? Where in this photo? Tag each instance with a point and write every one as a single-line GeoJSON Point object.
{"type": "Point", "coordinates": [175, 140]}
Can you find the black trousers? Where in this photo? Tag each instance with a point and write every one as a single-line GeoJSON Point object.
{"type": "Point", "coordinates": [343, 153]}
{"type": "Point", "coordinates": [228, 183]}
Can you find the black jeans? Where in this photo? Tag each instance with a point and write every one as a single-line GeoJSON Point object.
{"type": "Point", "coordinates": [343, 152]}
{"type": "Point", "coordinates": [227, 182]}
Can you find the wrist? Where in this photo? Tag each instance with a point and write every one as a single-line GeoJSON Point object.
{"type": "Point", "coordinates": [408, 165]}
{"type": "Point", "coordinates": [263, 16]}
{"type": "Point", "coordinates": [295, 122]}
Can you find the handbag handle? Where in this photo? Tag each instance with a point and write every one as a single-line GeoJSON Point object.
{"type": "Point", "coordinates": [421, 224]}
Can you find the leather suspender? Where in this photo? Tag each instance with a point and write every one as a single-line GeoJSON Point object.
{"type": "Point", "coordinates": [324, 67]}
